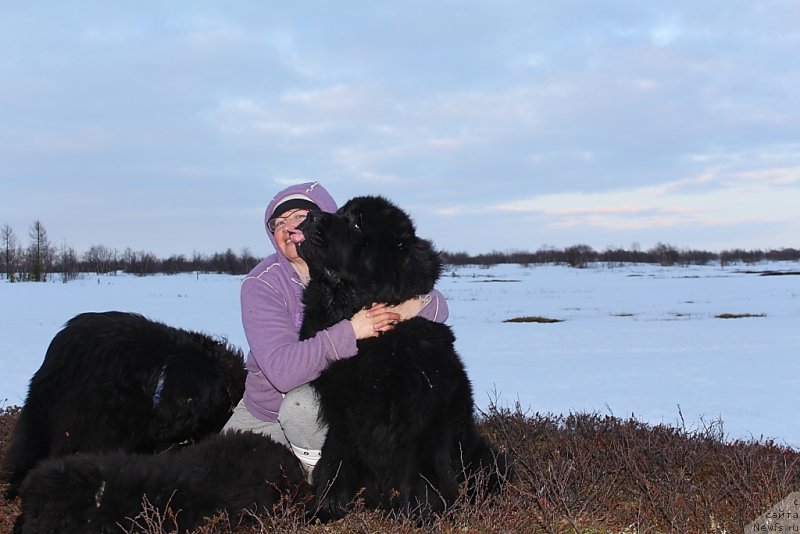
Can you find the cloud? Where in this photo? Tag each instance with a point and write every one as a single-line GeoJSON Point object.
{"type": "Point", "coordinates": [51, 143]}
{"type": "Point", "coordinates": [246, 117]}
{"type": "Point", "coordinates": [710, 198]}
{"type": "Point", "coordinates": [767, 178]}
{"type": "Point", "coordinates": [666, 33]}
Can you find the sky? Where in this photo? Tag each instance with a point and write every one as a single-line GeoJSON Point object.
{"type": "Point", "coordinates": [499, 126]}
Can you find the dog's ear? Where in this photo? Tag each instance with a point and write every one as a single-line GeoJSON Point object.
{"type": "Point", "coordinates": [423, 261]}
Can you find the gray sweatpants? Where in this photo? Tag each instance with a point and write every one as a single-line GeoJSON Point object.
{"type": "Point", "coordinates": [297, 426]}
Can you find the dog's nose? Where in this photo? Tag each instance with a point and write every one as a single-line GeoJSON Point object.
{"type": "Point", "coordinates": [313, 216]}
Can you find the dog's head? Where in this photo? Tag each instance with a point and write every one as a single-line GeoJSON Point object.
{"type": "Point", "coordinates": [61, 495]}
{"type": "Point", "coordinates": [371, 244]}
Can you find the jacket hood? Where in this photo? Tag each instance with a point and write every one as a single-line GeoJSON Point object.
{"type": "Point", "coordinates": [313, 190]}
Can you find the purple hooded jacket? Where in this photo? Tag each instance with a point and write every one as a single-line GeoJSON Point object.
{"type": "Point", "coordinates": [272, 313]}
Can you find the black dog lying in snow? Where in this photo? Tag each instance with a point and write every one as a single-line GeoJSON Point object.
{"type": "Point", "coordinates": [400, 412]}
{"type": "Point", "coordinates": [117, 381]}
{"type": "Point", "coordinates": [241, 473]}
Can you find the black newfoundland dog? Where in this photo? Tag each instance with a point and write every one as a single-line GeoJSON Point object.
{"type": "Point", "coordinates": [241, 473]}
{"type": "Point", "coordinates": [401, 431]}
{"type": "Point", "coordinates": [118, 381]}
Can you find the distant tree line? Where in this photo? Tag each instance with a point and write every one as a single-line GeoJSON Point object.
{"type": "Point", "coordinates": [40, 259]}
{"type": "Point", "coordinates": [662, 254]}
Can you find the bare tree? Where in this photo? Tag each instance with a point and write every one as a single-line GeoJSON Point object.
{"type": "Point", "coordinates": [8, 240]}
{"type": "Point", "coordinates": [40, 253]}
{"type": "Point", "coordinates": [68, 263]}
{"type": "Point", "coordinates": [665, 254]}
{"type": "Point", "coordinates": [579, 255]}
{"type": "Point", "coordinates": [140, 262]}
{"type": "Point", "coordinates": [246, 261]}
{"type": "Point", "coordinates": [101, 258]}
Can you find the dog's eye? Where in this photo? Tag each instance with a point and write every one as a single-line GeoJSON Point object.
{"type": "Point", "coordinates": [356, 222]}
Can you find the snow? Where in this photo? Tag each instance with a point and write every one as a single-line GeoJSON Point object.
{"type": "Point", "coordinates": [635, 339]}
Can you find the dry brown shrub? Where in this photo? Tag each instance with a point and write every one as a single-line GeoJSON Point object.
{"type": "Point", "coordinates": [586, 471]}
{"type": "Point", "coordinates": [533, 319]}
{"type": "Point", "coordinates": [575, 473]}
{"type": "Point", "coordinates": [739, 315]}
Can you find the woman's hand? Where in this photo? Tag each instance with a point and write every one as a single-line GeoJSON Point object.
{"type": "Point", "coordinates": [373, 321]}
{"type": "Point", "coordinates": [379, 318]}
{"type": "Point", "coordinates": [411, 307]}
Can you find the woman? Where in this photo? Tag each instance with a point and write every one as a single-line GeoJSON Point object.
{"type": "Point", "coordinates": [278, 401]}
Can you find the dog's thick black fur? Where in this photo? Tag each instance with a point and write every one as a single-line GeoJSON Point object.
{"type": "Point", "coordinates": [118, 381]}
{"type": "Point", "coordinates": [399, 413]}
{"type": "Point", "coordinates": [241, 473]}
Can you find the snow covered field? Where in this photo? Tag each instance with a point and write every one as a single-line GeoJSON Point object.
{"type": "Point", "coordinates": [635, 340]}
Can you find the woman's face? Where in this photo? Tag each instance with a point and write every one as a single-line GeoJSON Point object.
{"type": "Point", "coordinates": [283, 224]}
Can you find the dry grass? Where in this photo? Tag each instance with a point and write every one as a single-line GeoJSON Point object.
{"type": "Point", "coordinates": [739, 315]}
{"type": "Point", "coordinates": [580, 473]}
{"type": "Point", "coordinates": [533, 319]}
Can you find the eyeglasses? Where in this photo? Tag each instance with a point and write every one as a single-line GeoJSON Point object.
{"type": "Point", "coordinates": [293, 219]}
